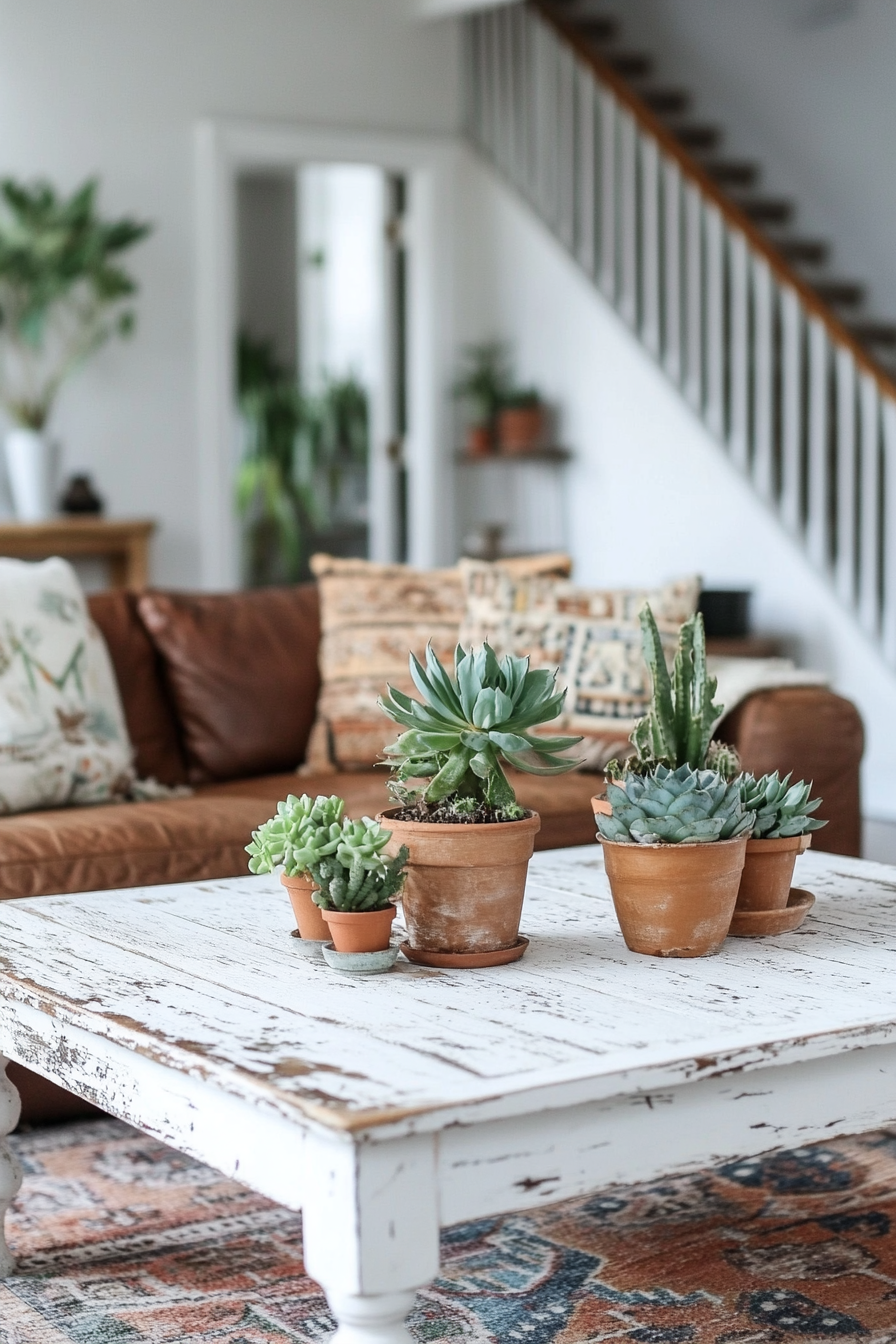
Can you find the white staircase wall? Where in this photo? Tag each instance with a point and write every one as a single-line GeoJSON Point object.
{"type": "Point", "coordinates": [650, 494]}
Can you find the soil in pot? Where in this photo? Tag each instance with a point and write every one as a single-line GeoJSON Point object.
{"type": "Point", "coordinates": [675, 900]}
{"type": "Point", "coordinates": [309, 917]}
{"type": "Point", "coordinates": [465, 882]}
{"type": "Point", "coordinates": [360, 930]}
{"type": "Point", "coordinates": [768, 873]}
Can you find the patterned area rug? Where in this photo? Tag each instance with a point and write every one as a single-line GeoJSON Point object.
{"type": "Point", "coordinates": [122, 1240]}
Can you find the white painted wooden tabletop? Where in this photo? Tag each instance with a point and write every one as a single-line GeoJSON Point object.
{"type": "Point", "coordinates": [205, 976]}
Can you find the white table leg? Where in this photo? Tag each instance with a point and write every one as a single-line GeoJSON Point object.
{"type": "Point", "coordinates": [371, 1231]}
{"type": "Point", "coordinates": [10, 1171]}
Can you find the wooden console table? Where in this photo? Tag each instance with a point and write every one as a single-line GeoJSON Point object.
{"type": "Point", "coordinates": [123, 543]}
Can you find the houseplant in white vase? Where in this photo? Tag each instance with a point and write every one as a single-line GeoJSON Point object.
{"type": "Point", "coordinates": [63, 294]}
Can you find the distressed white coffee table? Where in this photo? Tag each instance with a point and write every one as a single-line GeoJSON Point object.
{"type": "Point", "coordinates": [386, 1107]}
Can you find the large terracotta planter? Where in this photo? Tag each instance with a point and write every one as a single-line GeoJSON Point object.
{"type": "Point", "coordinates": [675, 900]}
{"type": "Point", "coordinates": [360, 930]}
{"type": "Point", "coordinates": [768, 873]}
{"type": "Point", "coordinates": [463, 893]}
{"type": "Point", "coordinates": [309, 916]}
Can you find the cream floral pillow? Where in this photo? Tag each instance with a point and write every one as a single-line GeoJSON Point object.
{"type": "Point", "coordinates": [63, 737]}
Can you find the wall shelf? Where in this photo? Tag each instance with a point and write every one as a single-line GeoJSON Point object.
{"type": "Point", "coordinates": [549, 456]}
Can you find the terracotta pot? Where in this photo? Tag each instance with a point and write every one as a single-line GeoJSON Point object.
{"type": "Point", "coordinates": [465, 884]}
{"type": "Point", "coordinates": [601, 807]}
{"type": "Point", "coordinates": [675, 900]}
{"type": "Point", "coordinates": [360, 930]}
{"type": "Point", "coordinates": [521, 429]}
{"type": "Point", "coordinates": [309, 916]}
{"type": "Point", "coordinates": [480, 441]}
{"type": "Point", "coordinates": [768, 873]}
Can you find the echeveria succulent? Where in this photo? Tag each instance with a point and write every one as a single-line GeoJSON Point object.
{"type": "Point", "coordinates": [675, 807]}
{"type": "Point", "coordinates": [780, 809]}
{"type": "Point", "coordinates": [304, 831]}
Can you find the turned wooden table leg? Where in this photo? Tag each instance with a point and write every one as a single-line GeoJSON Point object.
{"type": "Point", "coordinates": [371, 1231]}
{"type": "Point", "coordinates": [10, 1171]}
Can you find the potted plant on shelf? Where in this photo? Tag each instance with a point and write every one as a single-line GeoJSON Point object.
{"type": "Point", "coordinates": [302, 832]}
{"type": "Point", "coordinates": [357, 887]}
{"type": "Point", "coordinates": [522, 421]}
{"type": "Point", "coordinates": [63, 294]}
{"type": "Point", "coordinates": [675, 834]}
{"type": "Point", "coordinates": [482, 383]}
{"type": "Point", "coordinates": [782, 826]}
{"type": "Point", "coordinates": [469, 842]}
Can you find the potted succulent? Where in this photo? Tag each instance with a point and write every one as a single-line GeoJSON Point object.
{"type": "Point", "coordinates": [675, 834]}
{"type": "Point", "coordinates": [63, 294]}
{"type": "Point", "coordinates": [469, 841]}
{"type": "Point", "coordinates": [303, 831]}
{"type": "Point", "coordinates": [357, 887]}
{"type": "Point", "coordinates": [782, 824]}
{"type": "Point", "coordinates": [522, 421]}
{"type": "Point", "coordinates": [481, 385]}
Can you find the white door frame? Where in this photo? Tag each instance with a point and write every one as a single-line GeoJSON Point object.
{"type": "Point", "coordinates": [225, 148]}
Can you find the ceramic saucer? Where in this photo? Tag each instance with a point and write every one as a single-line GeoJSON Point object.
{"type": "Point", "coordinates": [464, 960]}
{"type": "Point", "coordinates": [360, 963]}
{"type": "Point", "coordinates": [308, 947]}
{"type": "Point", "coordinates": [763, 923]}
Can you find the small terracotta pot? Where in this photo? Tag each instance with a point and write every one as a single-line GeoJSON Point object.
{"type": "Point", "coordinates": [521, 429]}
{"type": "Point", "coordinates": [601, 807]}
{"type": "Point", "coordinates": [768, 873]}
{"type": "Point", "coordinates": [360, 930]}
{"type": "Point", "coordinates": [465, 884]}
{"type": "Point", "coordinates": [674, 900]}
{"type": "Point", "coordinates": [480, 441]}
{"type": "Point", "coordinates": [309, 917]}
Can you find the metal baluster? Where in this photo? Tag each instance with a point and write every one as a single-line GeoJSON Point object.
{"type": "Point", "coordinates": [586, 170]}
{"type": "Point", "coordinates": [608, 131]}
{"type": "Point", "coordinates": [693, 282]}
{"type": "Point", "coordinates": [551, 164]}
{"type": "Point", "coordinates": [715, 322]}
{"type": "Point", "coordinates": [847, 449]}
{"type": "Point", "coordinates": [739, 432]}
{"type": "Point", "coordinates": [566, 147]}
{"type": "Point", "coordinates": [650, 243]}
{"type": "Point", "coordinates": [888, 419]}
{"type": "Point", "coordinates": [672, 355]}
{"type": "Point", "coordinates": [763, 375]}
{"type": "Point", "coordinates": [516, 41]}
{"type": "Point", "coordinates": [817, 523]}
{"type": "Point", "coordinates": [628, 226]}
{"type": "Point", "coordinates": [528, 61]}
{"type": "Point", "coordinates": [869, 505]}
{"type": "Point", "coordinates": [792, 411]}
{"type": "Point", "coordinates": [499, 89]}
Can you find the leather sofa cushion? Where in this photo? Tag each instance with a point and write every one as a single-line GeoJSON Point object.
{"type": "Point", "coordinates": [242, 672]}
{"type": "Point", "coordinates": [138, 668]}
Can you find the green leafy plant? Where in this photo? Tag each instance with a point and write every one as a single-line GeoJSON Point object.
{"type": "Point", "coordinates": [303, 831]}
{"type": "Point", "coordinates": [778, 808]}
{"type": "Point", "coordinates": [484, 379]}
{"type": "Point", "coordinates": [63, 291]}
{"type": "Point", "coordinates": [675, 807]}
{"type": "Point", "coordinates": [355, 876]}
{"type": "Point", "coordinates": [521, 399]}
{"type": "Point", "coordinates": [467, 724]}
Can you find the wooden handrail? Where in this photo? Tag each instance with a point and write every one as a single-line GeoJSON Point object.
{"type": "Point", "coordinates": [691, 170]}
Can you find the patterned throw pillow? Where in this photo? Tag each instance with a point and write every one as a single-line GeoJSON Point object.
{"type": "Point", "coordinates": [371, 617]}
{"type": "Point", "coordinates": [63, 737]}
{"type": "Point", "coordinates": [592, 635]}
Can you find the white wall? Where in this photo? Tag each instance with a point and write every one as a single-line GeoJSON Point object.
{"type": "Point", "coordinates": [116, 89]}
{"type": "Point", "coordinates": [650, 495]}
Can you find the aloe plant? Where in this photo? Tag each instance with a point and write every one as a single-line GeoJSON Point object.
{"type": "Point", "coordinates": [355, 876]}
{"type": "Point", "coordinates": [780, 809]}
{"type": "Point", "coordinates": [468, 724]}
{"type": "Point", "coordinates": [303, 831]}
{"type": "Point", "coordinates": [675, 807]}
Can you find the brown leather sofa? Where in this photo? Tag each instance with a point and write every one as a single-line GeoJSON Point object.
{"type": "Point", "coordinates": [219, 692]}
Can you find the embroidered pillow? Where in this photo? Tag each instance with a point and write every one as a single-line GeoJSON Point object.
{"type": "Point", "coordinates": [592, 635]}
{"type": "Point", "coordinates": [63, 738]}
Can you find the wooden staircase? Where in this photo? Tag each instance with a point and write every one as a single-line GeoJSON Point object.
{"type": "Point", "coordinates": [778, 355]}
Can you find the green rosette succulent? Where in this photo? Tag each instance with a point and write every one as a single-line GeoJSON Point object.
{"type": "Point", "coordinates": [467, 725]}
{"type": "Point", "coordinates": [355, 876]}
{"type": "Point", "coordinates": [304, 831]}
{"type": "Point", "coordinates": [675, 807]}
{"type": "Point", "coordinates": [780, 809]}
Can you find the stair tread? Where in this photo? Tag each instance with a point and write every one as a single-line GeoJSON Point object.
{"type": "Point", "coordinates": [807, 251]}
{"type": "Point", "coordinates": [767, 209]}
{"type": "Point", "coordinates": [874, 331]}
{"type": "Point", "coordinates": [596, 29]}
{"type": "Point", "coordinates": [841, 293]}
{"type": "Point", "coordinates": [733, 172]}
{"type": "Point", "coordinates": [630, 64]}
{"type": "Point", "coordinates": [667, 102]}
{"type": "Point", "coordinates": [698, 136]}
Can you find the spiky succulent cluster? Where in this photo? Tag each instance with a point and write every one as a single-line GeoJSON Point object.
{"type": "Point", "coordinates": [724, 759]}
{"type": "Point", "coordinates": [779, 808]}
{"type": "Point", "coordinates": [303, 831]}
{"type": "Point", "coordinates": [468, 724]}
{"type": "Point", "coordinates": [356, 876]}
{"type": "Point", "coordinates": [675, 807]}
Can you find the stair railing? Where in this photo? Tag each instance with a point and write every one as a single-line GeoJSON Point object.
{"type": "Point", "coordinates": [802, 409]}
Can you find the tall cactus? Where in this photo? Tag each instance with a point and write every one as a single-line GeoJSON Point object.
{"type": "Point", "coordinates": [677, 728]}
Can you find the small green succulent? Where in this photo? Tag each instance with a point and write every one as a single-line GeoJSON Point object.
{"type": "Point", "coordinates": [675, 807]}
{"type": "Point", "coordinates": [303, 831]}
{"type": "Point", "coordinates": [724, 759]}
{"type": "Point", "coordinates": [355, 876]}
{"type": "Point", "coordinates": [468, 724]}
{"type": "Point", "coordinates": [779, 809]}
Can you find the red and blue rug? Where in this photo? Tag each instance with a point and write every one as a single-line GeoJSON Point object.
{"type": "Point", "coordinates": [121, 1240]}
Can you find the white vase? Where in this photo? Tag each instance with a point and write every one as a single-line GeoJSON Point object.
{"type": "Point", "coordinates": [31, 468]}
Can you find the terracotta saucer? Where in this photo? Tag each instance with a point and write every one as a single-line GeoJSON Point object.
{"type": "Point", "coordinates": [763, 923]}
{"type": "Point", "coordinates": [462, 960]}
